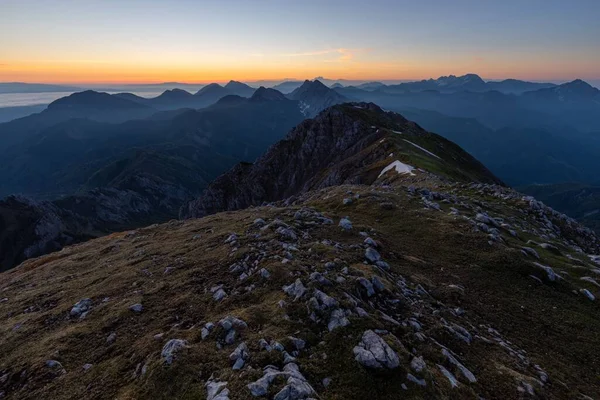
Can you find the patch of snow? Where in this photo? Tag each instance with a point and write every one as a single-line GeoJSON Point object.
{"type": "Point", "coordinates": [398, 132]}
{"type": "Point", "coordinates": [304, 108]}
{"type": "Point", "coordinates": [425, 150]}
{"type": "Point", "coordinates": [400, 168]}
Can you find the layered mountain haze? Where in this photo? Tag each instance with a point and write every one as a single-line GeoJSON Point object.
{"type": "Point", "coordinates": [98, 177]}
{"type": "Point", "coordinates": [360, 257]}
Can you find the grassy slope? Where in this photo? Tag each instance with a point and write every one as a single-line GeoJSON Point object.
{"type": "Point", "coordinates": [558, 329]}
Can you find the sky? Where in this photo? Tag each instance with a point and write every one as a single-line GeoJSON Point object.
{"type": "Point", "coordinates": [196, 41]}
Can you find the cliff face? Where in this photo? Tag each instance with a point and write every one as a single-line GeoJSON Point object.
{"type": "Point", "coordinates": [343, 144]}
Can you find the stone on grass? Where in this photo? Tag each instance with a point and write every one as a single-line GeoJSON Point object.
{"type": "Point", "coordinates": [337, 320]}
{"type": "Point", "coordinates": [81, 308]}
{"type": "Point", "coordinates": [345, 224]}
{"type": "Point", "coordinates": [296, 289]}
{"type": "Point", "coordinates": [372, 255]}
{"type": "Point", "coordinates": [111, 338]}
{"type": "Point", "coordinates": [414, 379]}
{"type": "Point", "coordinates": [219, 295]}
{"type": "Point", "coordinates": [136, 308]}
{"type": "Point", "coordinates": [374, 352]}
{"type": "Point", "coordinates": [171, 348]}
{"type": "Point", "coordinates": [451, 378]}
{"type": "Point", "coordinates": [216, 390]}
{"type": "Point", "coordinates": [368, 286]}
{"type": "Point", "coordinates": [418, 364]}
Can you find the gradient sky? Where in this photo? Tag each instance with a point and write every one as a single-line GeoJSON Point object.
{"type": "Point", "coordinates": [77, 41]}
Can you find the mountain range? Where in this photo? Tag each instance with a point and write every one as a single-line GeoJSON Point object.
{"type": "Point", "coordinates": [140, 160]}
{"type": "Point", "coordinates": [360, 257]}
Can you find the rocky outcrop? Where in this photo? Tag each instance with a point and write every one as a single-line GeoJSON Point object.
{"type": "Point", "coordinates": [31, 228]}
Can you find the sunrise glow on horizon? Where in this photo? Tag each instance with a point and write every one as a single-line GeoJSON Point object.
{"type": "Point", "coordinates": [206, 41]}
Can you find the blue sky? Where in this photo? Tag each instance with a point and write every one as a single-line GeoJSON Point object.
{"type": "Point", "coordinates": [202, 40]}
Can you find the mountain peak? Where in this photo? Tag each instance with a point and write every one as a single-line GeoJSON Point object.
{"type": "Point", "coordinates": [267, 94]}
{"type": "Point", "coordinates": [232, 84]}
{"type": "Point", "coordinates": [211, 88]}
{"type": "Point", "coordinates": [239, 88]}
{"type": "Point", "coordinates": [314, 96]}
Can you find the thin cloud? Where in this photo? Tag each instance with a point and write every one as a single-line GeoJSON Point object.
{"type": "Point", "coordinates": [312, 53]}
{"type": "Point", "coordinates": [343, 54]}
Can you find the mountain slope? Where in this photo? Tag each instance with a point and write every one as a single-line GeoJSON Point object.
{"type": "Point", "coordinates": [412, 287]}
{"type": "Point", "coordinates": [349, 143]}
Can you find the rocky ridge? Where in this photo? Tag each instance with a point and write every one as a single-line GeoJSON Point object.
{"type": "Point", "coordinates": [345, 144]}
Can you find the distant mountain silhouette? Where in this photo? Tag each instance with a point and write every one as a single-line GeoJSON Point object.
{"type": "Point", "coordinates": [288, 86]}
{"type": "Point", "coordinates": [575, 91]}
{"type": "Point", "coordinates": [371, 85]}
{"type": "Point", "coordinates": [447, 84]}
{"type": "Point", "coordinates": [266, 94]}
{"type": "Point", "coordinates": [20, 87]}
{"type": "Point", "coordinates": [516, 86]}
{"type": "Point", "coordinates": [315, 96]}
{"type": "Point", "coordinates": [239, 88]}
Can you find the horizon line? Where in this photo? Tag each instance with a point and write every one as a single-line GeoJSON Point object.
{"type": "Point", "coordinates": [287, 79]}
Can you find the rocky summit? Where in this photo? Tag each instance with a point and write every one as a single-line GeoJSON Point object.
{"type": "Point", "coordinates": [360, 258]}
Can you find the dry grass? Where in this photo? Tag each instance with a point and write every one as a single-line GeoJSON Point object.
{"type": "Point", "coordinates": [558, 329]}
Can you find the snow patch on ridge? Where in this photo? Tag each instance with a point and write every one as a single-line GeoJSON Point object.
{"type": "Point", "coordinates": [425, 150]}
{"type": "Point", "coordinates": [400, 168]}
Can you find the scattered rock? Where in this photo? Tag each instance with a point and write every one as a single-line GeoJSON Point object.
{"type": "Point", "coordinates": [216, 390]}
{"type": "Point", "coordinates": [414, 379]}
{"type": "Point", "coordinates": [345, 224]}
{"type": "Point", "coordinates": [296, 289]}
{"type": "Point", "coordinates": [372, 255]}
{"type": "Point", "coordinates": [368, 286]}
{"type": "Point", "coordinates": [207, 329]}
{"type": "Point", "coordinates": [374, 352]}
{"type": "Point", "coordinates": [588, 294]}
{"type": "Point", "coordinates": [418, 364]}
{"type": "Point", "coordinates": [451, 378]}
{"type": "Point", "coordinates": [111, 338]}
{"type": "Point", "coordinates": [337, 320]}
{"type": "Point", "coordinates": [136, 308]}
{"type": "Point", "coordinates": [171, 348]}
{"type": "Point", "coordinates": [219, 295]}
{"type": "Point", "coordinates": [81, 308]}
